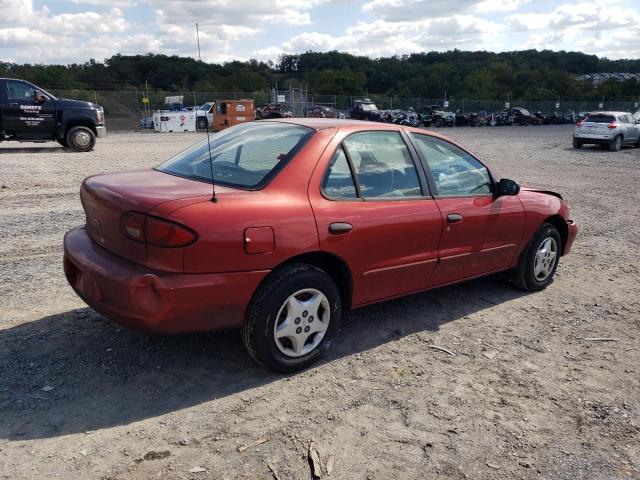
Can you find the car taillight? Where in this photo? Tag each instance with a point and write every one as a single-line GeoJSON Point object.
{"type": "Point", "coordinates": [612, 125]}
{"type": "Point", "coordinates": [579, 124]}
{"type": "Point", "coordinates": [156, 231]}
{"type": "Point", "coordinates": [132, 226]}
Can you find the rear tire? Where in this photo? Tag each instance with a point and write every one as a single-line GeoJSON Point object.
{"type": "Point", "coordinates": [616, 144]}
{"type": "Point", "coordinates": [577, 143]}
{"type": "Point", "coordinates": [292, 318]}
{"type": "Point", "coordinates": [80, 139]}
{"type": "Point", "coordinates": [539, 261]}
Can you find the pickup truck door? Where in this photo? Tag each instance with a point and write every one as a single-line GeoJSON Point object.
{"type": "Point", "coordinates": [26, 117]}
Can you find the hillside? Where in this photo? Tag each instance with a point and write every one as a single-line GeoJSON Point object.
{"type": "Point", "coordinates": [529, 74]}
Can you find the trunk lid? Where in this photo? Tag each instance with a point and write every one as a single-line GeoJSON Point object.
{"type": "Point", "coordinates": [106, 197]}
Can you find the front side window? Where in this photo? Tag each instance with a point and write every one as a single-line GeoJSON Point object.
{"type": "Point", "coordinates": [245, 156]}
{"type": "Point", "coordinates": [455, 172]}
{"type": "Point", "coordinates": [383, 165]}
{"type": "Point", "coordinates": [20, 90]}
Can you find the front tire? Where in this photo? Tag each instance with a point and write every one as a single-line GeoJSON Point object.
{"type": "Point", "coordinates": [81, 139]}
{"type": "Point", "coordinates": [202, 123]}
{"type": "Point", "coordinates": [538, 263]}
{"type": "Point", "coordinates": [292, 319]}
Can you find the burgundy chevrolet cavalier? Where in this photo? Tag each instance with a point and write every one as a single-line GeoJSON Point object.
{"type": "Point", "coordinates": [279, 226]}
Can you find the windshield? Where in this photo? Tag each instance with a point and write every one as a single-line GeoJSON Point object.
{"type": "Point", "coordinates": [367, 107]}
{"type": "Point", "coordinates": [244, 156]}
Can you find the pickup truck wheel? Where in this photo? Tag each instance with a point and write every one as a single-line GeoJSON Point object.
{"type": "Point", "coordinates": [81, 139]}
{"type": "Point", "coordinates": [202, 123]}
{"type": "Point", "coordinates": [292, 318]}
{"type": "Point", "coordinates": [539, 261]}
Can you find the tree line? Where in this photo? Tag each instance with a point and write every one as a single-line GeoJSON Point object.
{"type": "Point", "coordinates": [524, 75]}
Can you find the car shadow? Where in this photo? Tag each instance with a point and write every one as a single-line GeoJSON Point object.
{"type": "Point", "coordinates": [53, 148]}
{"type": "Point", "coordinates": [76, 371]}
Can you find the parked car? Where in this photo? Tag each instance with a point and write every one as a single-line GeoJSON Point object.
{"type": "Point", "coordinates": [363, 109]}
{"type": "Point", "coordinates": [147, 122]}
{"type": "Point", "coordinates": [273, 110]}
{"type": "Point", "coordinates": [434, 115]}
{"type": "Point", "coordinates": [461, 119]}
{"type": "Point", "coordinates": [322, 111]}
{"type": "Point", "coordinates": [266, 233]}
{"type": "Point", "coordinates": [521, 116]}
{"type": "Point", "coordinates": [500, 119]}
{"type": "Point", "coordinates": [30, 114]}
{"type": "Point", "coordinates": [537, 118]}
{"type": "Point", "coordinates": [613, 129]}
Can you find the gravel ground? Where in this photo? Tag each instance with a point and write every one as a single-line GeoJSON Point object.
{"type": "Point", "coordinates": [524, 396]}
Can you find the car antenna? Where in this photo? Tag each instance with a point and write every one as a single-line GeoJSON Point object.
{"type": "Point", "coordinates": [213, 186]}
{"type": "Point", "coordinates": [214, 199]}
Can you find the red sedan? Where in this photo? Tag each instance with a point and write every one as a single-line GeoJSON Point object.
{"type": "Point", "coordinates": [278, 226]}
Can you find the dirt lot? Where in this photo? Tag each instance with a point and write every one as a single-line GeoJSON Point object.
{"type": "Point", "coordinates": [524, 396]}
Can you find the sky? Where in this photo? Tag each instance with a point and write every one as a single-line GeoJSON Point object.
{"type": "Point", "coordinates": [74, 31]}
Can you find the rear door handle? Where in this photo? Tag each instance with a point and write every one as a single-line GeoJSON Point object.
{"type": "Point", "coordinates": [337, 228]}
{"type": "Point", "coordinates": [454, 218]}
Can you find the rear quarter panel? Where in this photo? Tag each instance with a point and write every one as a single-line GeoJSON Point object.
{"type": "Point", "coordinates": [282, 205]}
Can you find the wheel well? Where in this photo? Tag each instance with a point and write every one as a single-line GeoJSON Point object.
{"type": "Point", "coordinates": [559, 222]}
{"type": "Point", "coordinates": [79, 123]}
{"type": "Point", "coordinates": [334, 266]}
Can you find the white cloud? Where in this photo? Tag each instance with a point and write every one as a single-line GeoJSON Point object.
{"type": "Point", "coordinates": [382, 38]}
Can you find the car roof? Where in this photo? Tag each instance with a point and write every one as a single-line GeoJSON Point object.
{"type": "Point", "coordinates": [609, 113]}
{"type": "Point", "coordinates": [353, 125]}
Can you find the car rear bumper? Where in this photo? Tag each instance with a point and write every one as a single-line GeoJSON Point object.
{"type": "Point", "coordinates": [101, 132]}
{"type": "Point", "coordinates": [572, 232]}
{"type": "Point", "coordinates": [593, 137]}
{"type": "Point", "coordinates": [153, 301]}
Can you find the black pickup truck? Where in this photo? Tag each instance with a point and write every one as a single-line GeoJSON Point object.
{"type": "Point", "coordinates": [30, 114]}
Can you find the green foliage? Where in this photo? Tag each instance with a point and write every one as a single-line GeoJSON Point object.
{"type": "Point", "coordinates": [528, 74]}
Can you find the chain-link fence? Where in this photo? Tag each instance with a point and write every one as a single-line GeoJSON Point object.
{"type": "Point", "coordinates": [124, 109]}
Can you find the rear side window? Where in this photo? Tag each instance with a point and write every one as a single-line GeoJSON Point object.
{"type": "Point", "coordinates": [244, 156]}
{"type": "Point", "coordinates": [455, 172]}
{"type": "Point", "coordinates": [600, 119]}
{"type": "Point", "coordinates": [338, 181]}
{"type": "Point", "coordinates": [383, 165]}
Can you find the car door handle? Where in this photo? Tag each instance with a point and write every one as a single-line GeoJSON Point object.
{"type": "Point", "coordinates": [454, 218]}
{"type": "Point", "coordinates": [337, 228]}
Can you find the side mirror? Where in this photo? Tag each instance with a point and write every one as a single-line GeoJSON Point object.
{"type": "Point", "coordinates": [507, 187]}
{"type": "Point", "coordinates": [39, 97]}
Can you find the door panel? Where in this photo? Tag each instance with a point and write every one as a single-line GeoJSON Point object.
{"type": "Point", "coordinates": [25, 116]}
{"type": "Point", "coordinates": [391, 246]}
{"type": "Point", "coordinates": [481, 232]}
{"type": "Point", "coordinates": [484, 241]}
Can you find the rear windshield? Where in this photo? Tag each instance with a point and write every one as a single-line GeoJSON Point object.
{"type": "Point", "coordinates": [244, 156]}
{"type": "Point", "coordinates": [600, 118]}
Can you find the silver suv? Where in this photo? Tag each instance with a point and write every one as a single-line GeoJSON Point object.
{"type": "Point", "coordinates": [613, 129]}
